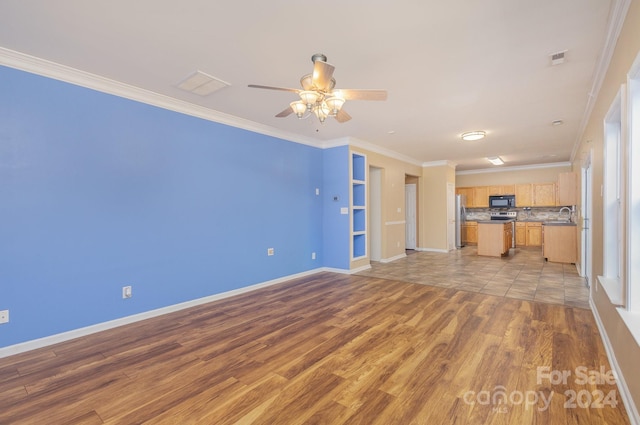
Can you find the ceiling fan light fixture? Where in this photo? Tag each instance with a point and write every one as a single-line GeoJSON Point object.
{"type": "Point", "coordinates": [334, 104]}
{"type": "Point", "coordinates": [473, 135]}
{"type": "Point", "coordinates": [495, 160]}
{"type": "Point", "coordinates": [321, 111]}
{"type": "Point", "coordinates": [309, 97]}
{"type": "Point", "coordinates": [299, 108]}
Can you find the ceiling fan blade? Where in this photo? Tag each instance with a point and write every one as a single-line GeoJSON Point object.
{"type": "Point", "coordinates": [322, 75]}
{"type": "Point", "coordinates": [285, 113]}
{"type": "Point", "coordinates": [354, 94]}
{"type": "Point", "coordinates": [256, 86]}
{"type": "Point", "coordinates": [342, 116]}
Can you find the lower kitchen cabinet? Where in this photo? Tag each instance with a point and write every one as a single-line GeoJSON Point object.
{"type": "Point", "coordinates": [533, 234]}
{"type": "Point", "coordinates": [494, 239]}
{"type": "Point", "coordinates": [470, 233]}
{"type": "Point", "coordinates": [521, 234]}
{"type": "Point", "coordinates": [560, 243]}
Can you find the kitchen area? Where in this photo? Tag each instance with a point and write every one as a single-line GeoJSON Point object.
{"type": "Point", "coordinates": [500, 218]}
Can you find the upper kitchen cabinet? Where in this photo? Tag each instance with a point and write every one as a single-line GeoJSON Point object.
{"type": "Point", "coordinates": [480, 197]}
{"type": "Point", "coordinates": [567, 189]}
{"type": "Point", "coordinates": [523, 194]}
{"type": "Point", "coordinates": [544, 195]}
{"type": "Point", "coordinates": [507, 189]}
{"type": "Point", "coordinates": [468, 192]}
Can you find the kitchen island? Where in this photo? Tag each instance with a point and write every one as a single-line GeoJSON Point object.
{"type": "Point", "coordinates": [495, 237]}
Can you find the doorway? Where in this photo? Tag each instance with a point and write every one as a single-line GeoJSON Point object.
{"type": "Point", "coordinates": [585, 233]}
{"type": "Point", "coordinates": [410, 209]}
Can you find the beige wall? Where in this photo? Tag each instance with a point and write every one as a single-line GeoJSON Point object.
{"type": "Point", "coordinates": [394, 173]}
{"type": "Point", "coordinates": [626, 350]}
{"type": "Point", "coordinates": [433, 206]}
{"type": "Point", "coordinates": [535, 175]}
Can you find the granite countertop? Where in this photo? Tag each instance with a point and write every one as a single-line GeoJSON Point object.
{"type": "Point", "coordinates": [558, 223]}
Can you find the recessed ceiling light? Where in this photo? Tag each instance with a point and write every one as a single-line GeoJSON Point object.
{"type": "Point", "coordinates": [495, 160]}
{"type": "Point", "coordinates": [473, 135]}
{"type": "Point", "coordinates": [557, 122]}
{"type": "Point", "coordinates": [391, 132]}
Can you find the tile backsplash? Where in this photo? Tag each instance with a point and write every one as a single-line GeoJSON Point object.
{"type": "Point", "coordinates": [539, 214]}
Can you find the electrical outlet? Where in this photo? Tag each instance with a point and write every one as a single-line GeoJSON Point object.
{"type": "Point", "coordinates": [270, 251]}
{"type": "Point", "coordinates": [4, 316]}
{"type": "Point", "coordinates": [313, 255]}
{"type": "Point", "coordinates": [126, 292]}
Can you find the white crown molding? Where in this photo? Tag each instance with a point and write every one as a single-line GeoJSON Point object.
{"type": "Point", "coordinates": [352, 141]}
{"type": "Point", "coordinates": [439, 164]}
{"type": "Point", "coordinates": [614, 27]}
{"type": "Point", "coordinates": [45, 68]}
{"type": "Point", "coordinates": [514, 168]}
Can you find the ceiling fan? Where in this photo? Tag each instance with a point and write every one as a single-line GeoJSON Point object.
{"type": "Point", "coordinates": [319, 96]}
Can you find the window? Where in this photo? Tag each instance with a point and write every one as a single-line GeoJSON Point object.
{"type": "Point", "coordinates": [633, 190]}
{"type": "Point", "coordinates": [613, 278]}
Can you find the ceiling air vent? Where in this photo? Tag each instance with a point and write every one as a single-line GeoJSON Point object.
{"type": "Point", "coordinates": [558, 57]}
{"type": "Point", "coordinates": [202, 84]}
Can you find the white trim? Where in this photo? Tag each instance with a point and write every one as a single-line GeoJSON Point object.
{"type": "Point", "coordinates": [359, 269]}
{"type": "Point", "coordinates": [439, 164]}
{"type": "Point", "coordinates": [514, 168]}
{"type": "Point", "coordinates": [352, 141]}
{"type": "Point", "coordinates": [632, 320]}
{"type": "Point", "coordinates": [88, 330]}
{"type": "Point", "coordinates": [613, 289]}
{"type": "Point", "coordinates": [391, 223]}
{"type": "Point", "coordinates": [614, 26]}
{"type": "Point", "coordinates": [625, 394]}
{"type": "Point", "coordinates": [27, 63]}
{"type": "Point", "coordinates": [444, 251]}
{"type": "Point", "coordinates": [397, 257]}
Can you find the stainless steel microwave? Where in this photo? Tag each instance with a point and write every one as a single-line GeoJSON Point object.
{"type": "Point", "coordinates": [502, 201]}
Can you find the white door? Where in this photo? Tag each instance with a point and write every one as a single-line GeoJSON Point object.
{"type": "Point", "coordinates": [451, 216]}
{"type": "Point", "coordinates": [410, 215]}
{"type": "Point", "coordinates": [375, 213]}
{"type": "Point", "coordinates": [585, 260]}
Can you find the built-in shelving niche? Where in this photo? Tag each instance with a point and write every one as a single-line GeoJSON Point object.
{"type": "Point", "coordinates": [358, 206]}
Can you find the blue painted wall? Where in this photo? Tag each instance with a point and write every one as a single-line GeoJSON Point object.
{"type": "Point", "coordinates": [98, 192]}
{"type": "Point", "coordinates": [336, 225]}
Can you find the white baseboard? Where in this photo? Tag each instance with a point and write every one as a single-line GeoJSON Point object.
{"type": "Point", "coordinates": [444, 251]}
{"type": "Point", "coordinates": [397, 257]}
{"type": "Point", "coordinates": [88, 330]}
{"type": "Point", "coordinates": [627, 400]}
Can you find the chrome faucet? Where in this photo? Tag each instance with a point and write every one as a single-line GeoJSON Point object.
{"type": "Point", "coordinates": [565, 209]}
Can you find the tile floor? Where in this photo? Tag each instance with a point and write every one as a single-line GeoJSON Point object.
{"type": "Point", "coordinates": [523, 275]}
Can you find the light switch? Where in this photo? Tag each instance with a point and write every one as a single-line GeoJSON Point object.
{"type": "Point", "coordinates": [344, 210]}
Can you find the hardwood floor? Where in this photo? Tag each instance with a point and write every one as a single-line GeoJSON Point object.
{"type": "Point", "coordinates": [326, 349]}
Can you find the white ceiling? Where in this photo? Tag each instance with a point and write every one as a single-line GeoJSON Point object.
{"type": "Point", "coordinates": [449, 66]}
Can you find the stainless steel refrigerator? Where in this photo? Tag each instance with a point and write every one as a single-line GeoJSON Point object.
{"type": "Point", "coordinates": [461, 216]}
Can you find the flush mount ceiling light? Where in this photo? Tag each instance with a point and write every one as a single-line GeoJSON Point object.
{"type": "Point", "coordinates": [473, 135]}
{"type": "Point", "coordinates": [495, 160]}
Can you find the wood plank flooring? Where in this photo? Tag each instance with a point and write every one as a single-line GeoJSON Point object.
{"type": "Point", "coordinates": [325, 349]}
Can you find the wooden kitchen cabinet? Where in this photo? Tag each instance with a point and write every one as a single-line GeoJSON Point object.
{"type": "Point", "coordinates": [481, 197]}
{"type": "Point", "coordinates": [544, 195]}
{"type": "Point", "coordinates": [468, 192]}
{"type": "Point", "coordinates": [470, 233]}
{"type": "Point", "coordinates": [533, 234]}
{"type": "Point", "coordinates": [560, 244]}
{"type": "Point", "coordinates": [524, 196]}
{"type": "Point", "coordinates": [507, 189]}
{"type": "Point", "coordinates": [567, 189]}
{"type": "Point", "coordinates": [521, 234]}
{"type": "Point", "coordinates": [494, 239]}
